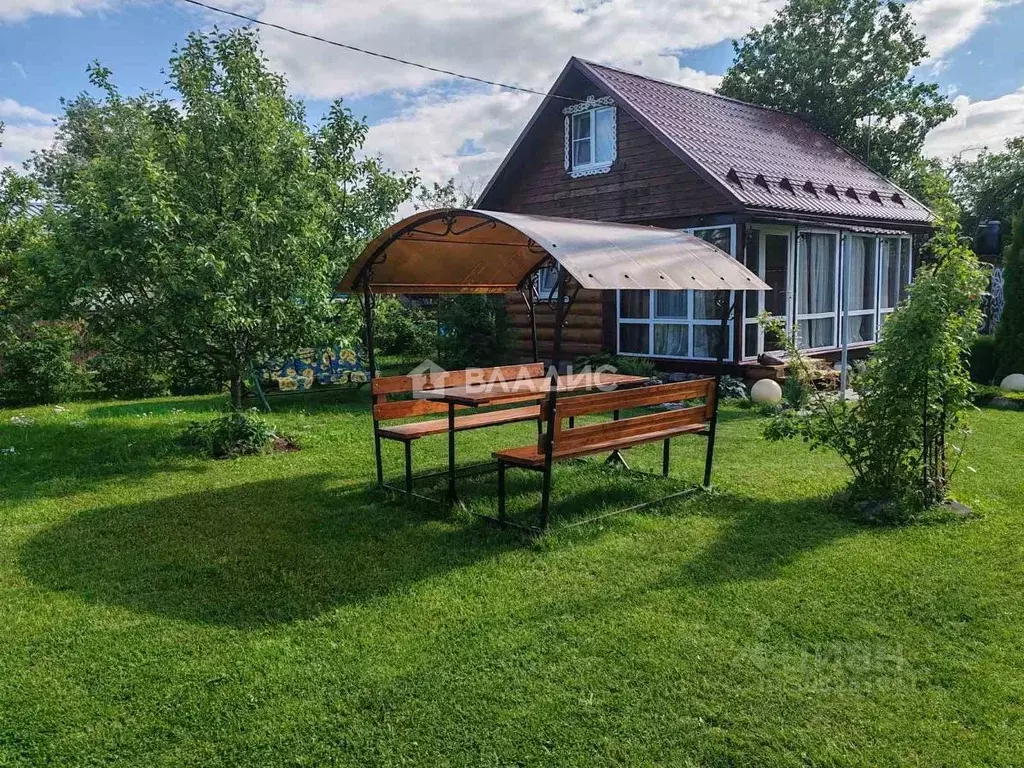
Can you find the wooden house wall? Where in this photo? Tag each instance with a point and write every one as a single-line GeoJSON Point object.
{"type": "Point", "coordinates": [646, 184]}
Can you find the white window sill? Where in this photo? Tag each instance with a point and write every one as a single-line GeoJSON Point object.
{"type": "Point", "coordinates": [590, 170]}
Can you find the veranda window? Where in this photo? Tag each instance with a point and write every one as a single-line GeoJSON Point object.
{"type": "Point", "coordinates": [894, 269]}
{"type": "Point", "coordinates": [679, 324]}
{"type": "Point", "coordinates": [768, 256]}
{"type": "Point", "coordinates": [863, 287]}
{"type": "Point", "coordinates": [817, 289]}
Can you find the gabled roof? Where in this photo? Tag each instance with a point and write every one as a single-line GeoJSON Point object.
{"type": "Point", "coordinates": [763, 159]}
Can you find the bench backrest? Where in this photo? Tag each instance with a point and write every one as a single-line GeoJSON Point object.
{"type": "Point", "coordinates": [567, 439]}
{"type": "Point", "coordinates": [384, 388]}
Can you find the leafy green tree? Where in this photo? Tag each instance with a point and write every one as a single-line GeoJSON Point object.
{"type": "Point", "coordinates": [837, 64]}
{"type": "Point", "coordinates": [212, 228]}
{"type": "Point", "coordinates": [1010, 331]}
{"type": "Point", "coordinates": [991, 186]}
{"type": "Point", "coordinates": [20, 231]}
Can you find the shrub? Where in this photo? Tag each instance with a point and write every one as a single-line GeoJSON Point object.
{"type": "Point", "coordinates": [194, 376]}
{"type": "Point", "coordinates": [1010, 331]}
{"type": "Point", "coordinates": [474, 331]}
{"type": "Point", "coordinates": [733, 388]}
{"type": "Point", "coordinates": [624, 364]}
{"type": "Point", "coordinates": [239, 433]}
{"type": "Point", "coordinates": [399, 329]}
{"type": "Point", "coordinates": [127, 375]}
{"type": "Point", "coordinates": [984, 360]}
{"type": "Point", "coordinates": [40, 367]}
{"type": "Point", "coordinates": [912, 394]}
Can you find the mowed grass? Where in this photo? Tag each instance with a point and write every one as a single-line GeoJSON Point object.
{"type": "Point", "coordinates": [162, 610]}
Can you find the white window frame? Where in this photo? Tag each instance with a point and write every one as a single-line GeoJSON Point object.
{"type": "Point", "coordinates": [546, 280]}
{"type": "Point", "coordinates": [883, 311]}
{"type": "Point", "coordinates": [762, 231]}
{"type": "Point", "coordinates": [651, 320]}
{"type": "Point", "coordinates": [844, 292]}
{"type": "Point", "coordinates": [589, 108]}
{"type": "Point", "coordinates": [835, 314]}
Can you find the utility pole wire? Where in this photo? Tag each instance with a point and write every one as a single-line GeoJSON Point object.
{"type": "Point", "coordinates": [364, 51]}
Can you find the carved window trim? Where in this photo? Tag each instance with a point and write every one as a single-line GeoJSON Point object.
{"type": "Point", "coordinates": [590, 104]}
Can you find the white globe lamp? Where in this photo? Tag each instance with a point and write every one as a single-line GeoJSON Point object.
{"type": "Point", "coordinates": [766, 391]}
{"type": "Point", "coordinates": [1013, 383]}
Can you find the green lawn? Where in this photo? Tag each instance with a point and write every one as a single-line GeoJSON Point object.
{"type": "Point", "coordinates": [162, 610]}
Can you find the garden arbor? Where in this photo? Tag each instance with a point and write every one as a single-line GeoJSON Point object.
{"type": "Point", "coordinates": [452, 251]}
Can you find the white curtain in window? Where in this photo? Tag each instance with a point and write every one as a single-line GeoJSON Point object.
{"type": "Point", "coordinates": [672, 340]}
{"type": "Point", "coordinates": [861, 273]}
{"type": "Point", "coordinates": [818, 278]}
{"type": "Point", "coordinates": [890, 272]}
{"type": "Point", "coordinates": [705, 340]}
{"type": "Point", "coordinates": [604, 135]}
{"type": "Point", "coordinates": [670, 304]}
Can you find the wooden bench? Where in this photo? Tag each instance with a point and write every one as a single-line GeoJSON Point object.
{"type": "Point", "coordinates": [611, 436]}
{"type": "Point", "coordinates": [387, 408]}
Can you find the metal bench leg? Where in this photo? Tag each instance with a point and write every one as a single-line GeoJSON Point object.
{"type": "Point", "coordinates": [380, 463]}
{"type": "Point", "coordinates": [664, 457]}
{"type": "Point", "coordinates": [545, 499]}
{"type": "Point", "coordinates": [572, 422]}
{"type": "Point", "coordinates": [408, 469]}
{"type": "Point", "coordinates": [501, 491]}
{"type": "Point", "coordinates": [451, 453]}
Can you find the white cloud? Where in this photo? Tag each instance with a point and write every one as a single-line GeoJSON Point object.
{"type": "Point", "coordinates": [525, 42]}
{"type": "Point", "coordinates": [12, 110]}
{"type": "Point", "coordinates": [25, 129]}
{"type": "Point", "coordinates": [948, 23]}
{"type": "Point", "coordinates": [18, 10]}
{"type": "Point", "coordinates": [978, 124]}
{"type": "Point", "coordinates": [429, 134]}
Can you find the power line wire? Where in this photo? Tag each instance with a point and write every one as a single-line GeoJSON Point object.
{"type": "Point", "coordinates": [364, 51]}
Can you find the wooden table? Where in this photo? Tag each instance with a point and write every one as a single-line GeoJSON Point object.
{"type": "Point", "coordinates": [490, 393]}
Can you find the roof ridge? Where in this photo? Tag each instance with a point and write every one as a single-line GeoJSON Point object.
{"type": "Point", "coordinates": [690, 88]}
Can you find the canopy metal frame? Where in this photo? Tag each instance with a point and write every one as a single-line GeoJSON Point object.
{"type": "Point", "coordinates": [562, 298]}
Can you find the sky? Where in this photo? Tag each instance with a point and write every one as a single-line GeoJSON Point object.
{"type": "Point", "coordinates": [444, 127]}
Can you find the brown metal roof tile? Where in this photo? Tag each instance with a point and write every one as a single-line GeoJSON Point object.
{"type": "Point", "coordinates": [732, 141]}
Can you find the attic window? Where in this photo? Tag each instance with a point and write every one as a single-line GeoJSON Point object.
{"type": "Point", "coordinates": [590, 137]}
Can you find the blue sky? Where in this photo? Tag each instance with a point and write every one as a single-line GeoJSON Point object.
{"type": "Point", "coordinates": [445, 128]}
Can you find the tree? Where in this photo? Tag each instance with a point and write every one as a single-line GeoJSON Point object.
{"type": "Point", "coordinates": [844, 66]}
{"type": "Point", "coordinates": [1010, 331]}
{"type": "Point", "coordinates": [20, 230]}
{"type": "Point", "coordinates": [213, 229]}
{"type": "Point", "coordinates": [991, 186]}
{"type": "Point", "coordinates": [474, 329]}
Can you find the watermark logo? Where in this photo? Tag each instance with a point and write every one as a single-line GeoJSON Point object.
{"type": "Point", "coordinates": [428, 378]}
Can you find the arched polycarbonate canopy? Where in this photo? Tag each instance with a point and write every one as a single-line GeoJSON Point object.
{"type": "Point", "coordinates": [459, 250]}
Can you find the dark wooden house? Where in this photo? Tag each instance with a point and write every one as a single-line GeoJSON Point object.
{"type": "Point", "coordinates": [763, 185]}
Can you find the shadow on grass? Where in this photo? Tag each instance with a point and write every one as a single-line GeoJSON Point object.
{"type": "Point", "coordinates": [56, 459]}
{"type": "Point", "coordinates": [760, 537]}
{"type": "Point", "coordinates": [252, 555]}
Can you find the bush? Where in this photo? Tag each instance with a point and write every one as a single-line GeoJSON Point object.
{"type": "Point", "coordinates": [733, 388]}
{"type": "Point", "coordinates": [910, 401]}
{"type": "Point", "coordinates": [240, 433]}
{"type": "Point", "coordinates": [624, 364]}
{"type": "Point", "coordinates": [128, 375]}
{"type": "Point", "coordinates": [474, 331]}
{"type": "Point", "coordinates": [399, 329]}
{"type": "Point", "coordinates": [193, 376]}
{"type": "Point", "coordinates": [40, 367]}
{"type": "Point", "coordinates": [1010, 331]}
{"type": "Point", "coordinates": [984, 360]}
